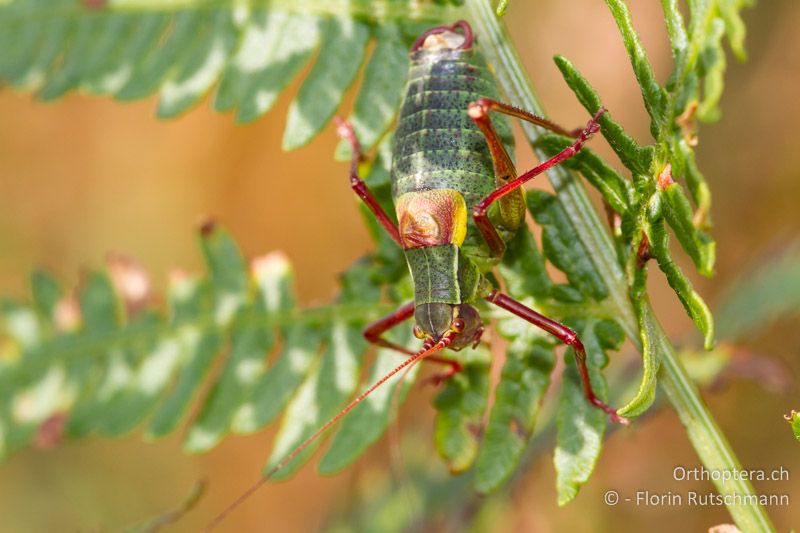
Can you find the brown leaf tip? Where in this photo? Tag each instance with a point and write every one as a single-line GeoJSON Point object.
{"type": "Point", "coordinates": [67, 313]}
{"type": "Point", "coordinates": [724, 528]}
{"type": "Point", "coordinates": [643, 253]}
{"type": "Point", "coordinates": [208, 226]}
{"type": "Point", "coordinates": [272, 263]}
{"type": "Point", "coordinates": [130, 280]}
{"type": "Point", "coordinates": [51, 432]}
{"type": "Point", "coordinates": [686, 121]}
{"type": "Point", "coordinates": [94, 5]}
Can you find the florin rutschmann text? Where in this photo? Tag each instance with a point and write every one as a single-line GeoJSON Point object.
{"type": "Point", "coordinates": [710, 498]}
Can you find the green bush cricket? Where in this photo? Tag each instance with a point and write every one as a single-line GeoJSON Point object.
{"type": "Point", "coordinates": [458, 200]}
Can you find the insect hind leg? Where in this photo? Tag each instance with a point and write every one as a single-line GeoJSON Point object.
{"type": "Point", "coordinates": [479, 113]}
{"type": "Point", "coordinates": [565, 335]}
{"type": "Point", "coordinates": [483, 106]}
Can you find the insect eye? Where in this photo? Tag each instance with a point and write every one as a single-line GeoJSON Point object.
{"type": "Point", "coordinates": [418, 333]}
{"type": "Point", "coordinates": [458, 325]}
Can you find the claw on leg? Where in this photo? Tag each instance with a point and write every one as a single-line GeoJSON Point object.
{"type": "Point", "coordinates": [439, 378]}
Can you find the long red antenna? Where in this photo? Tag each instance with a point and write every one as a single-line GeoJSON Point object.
{"type": "Point", "coordinates": [426, 350]}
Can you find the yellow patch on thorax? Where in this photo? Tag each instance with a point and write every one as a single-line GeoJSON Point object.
{"type": "Point", "coordinates": [430, 218]}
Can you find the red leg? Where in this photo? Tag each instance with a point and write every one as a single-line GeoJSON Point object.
{"type": "Point", "coordinates": [565, 335]}
{"type": "Point", "coordinates": [479, 113]}
{"type": "Point", "coordinates": [512, 208]}
{"type": "Point", "coordinates": [379, 327]}
{"type": "Point", "coordinates": [437, 379]}
{"type": "Point", "coordinates": [345, 131]}
{"type": "Point", "coordinates": [374, 333]}
{"type": "Point", "coordinates": [483, 106]}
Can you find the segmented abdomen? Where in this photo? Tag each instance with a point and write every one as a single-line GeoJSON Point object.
{"type": "Point", "coordinates": [437, 146]}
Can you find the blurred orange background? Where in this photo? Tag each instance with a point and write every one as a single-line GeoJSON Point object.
{"type": "Point", "coordinates": [86, 175]}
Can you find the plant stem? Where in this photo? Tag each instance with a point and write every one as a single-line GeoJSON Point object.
{"type": "Point", "coordinates": [705, 435]}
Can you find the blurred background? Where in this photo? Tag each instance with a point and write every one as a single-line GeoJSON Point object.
{"type": "Point", "coordinates": [87, 176]}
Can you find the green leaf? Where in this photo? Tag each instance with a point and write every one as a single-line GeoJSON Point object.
{"type": "Point", "coordinates": [158, 59]}
{"type": "Point", "coordinates": [46, 293]}
{"type": "Point", "coordinates": [651, 362]}
{"type": "Point", "coordinates": [692, 302]}
{"type": "Point", "coordinates": [21, 324]}
{"type": "Point", "coordinates": [713, 66]}
{"type": "Point", "coordinates": [100, 313]}
{"type": "Point", "coordinates": [734, 26]}
{"type": "Point", "coordinates": [637, 158]}
{"type": "Point", "coordinates": [102, 370]}
{"type": "Point", "coordinates": [320, 397]}
{"type": "Point", "coordinates": [114, 34]}
{"type": "Point", "coordinates": [684, 165]}
{"type": "Point", "coordinates": [70, 69]}
{"type": "Point", "coordinates": [653, 94]}
{"type": "Point", "coordinates": [99, 308]}
{"type": "Point", "coordinates": [191, 300]}
{"type": "Point", "coordinates": [199, 352]}
{"type": "Point", "coordinates": [135, 379]}
{"type": "Point", "coordinates": [274, 48]}
{"type": "Point", "coordinates": [523, 383]}
{"type": "Point", "coordinates": [562, 246]}
{"type": "Point", "coordinates": [279, 382]}
{"type": "Point", "coordinates": [227, 271]}
{"type": "Point", "coordinates": [580, 425]}
{"type": "Point", "coordinates": [228, 403]}
{"type": "Point", "coordinates": [676, 29]}
{"type": "Point", "coordinates": [616, 190]}
{"type": "Point", "coordinates": [523, 267]}
{"type": "Point", "coordinates": [381, 90]}
{"type": "Point", "coordinates": [794, 420]}
{"type": "Point", "coordinates": [698, 244]}
{"type": "Point", "coordinates": [369, 419]}
{"type": "Point", "coordinates": [580, 436]}
{"type": "Point", "coordinates": [109, 77]}
{"type": "Point", "coordinates": [460, 408]}
{"type": "Point", "coordinates": [19, 43]}
{"type": "Point", "coordinates": [341, 53]}
{"type": "Point", "coordinates": [244, 366]}
{"type": "Point", "coordinates": [213, 40]}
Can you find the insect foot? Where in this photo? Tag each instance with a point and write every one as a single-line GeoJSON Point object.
{"type": "Point", "coordinates": [437, 379]}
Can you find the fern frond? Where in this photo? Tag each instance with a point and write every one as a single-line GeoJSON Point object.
{"type": "Point", "coordinates": [654, 199]}
{"type": "Point", "coordinates": [247, 52]}
{"type": "Point", "coordinates": [104, 358]}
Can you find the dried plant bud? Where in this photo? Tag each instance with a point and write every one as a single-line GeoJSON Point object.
{"type": "Point", "coordinates": [665, 177]}
{"type": "Point", "coordinates": [130, 281]}
{"type": "Point", "coordinates": [687, 123]}
{"type": "Point", "coordinates": [271, 262]}
{"type": "Point", "coordinates": [51, 432]}
{"type": "Point", "coordinates": [68, 314]}
{"type": "Point", "coordinates": [724, 528]}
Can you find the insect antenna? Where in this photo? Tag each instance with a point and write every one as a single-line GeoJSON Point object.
{"type": "Point", "coordinates": [427, 349]}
